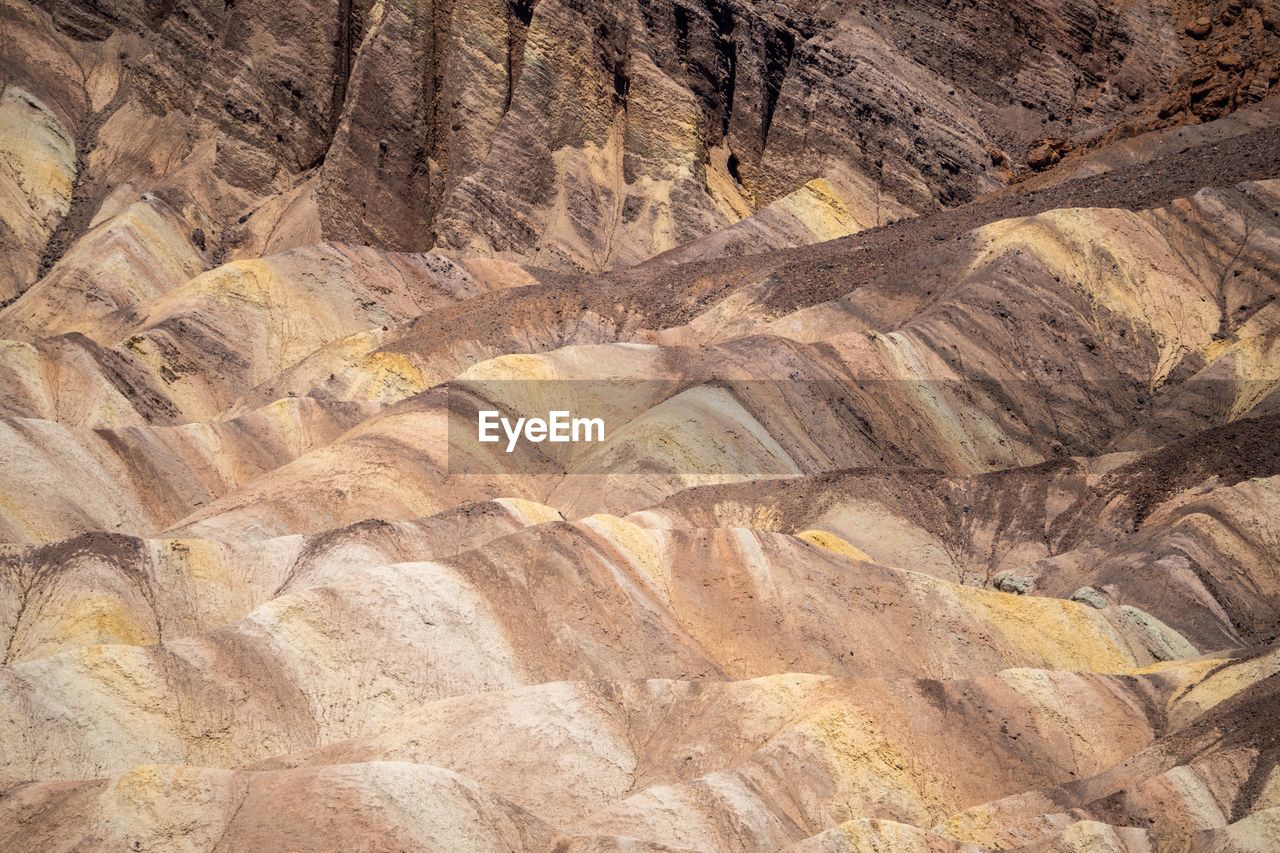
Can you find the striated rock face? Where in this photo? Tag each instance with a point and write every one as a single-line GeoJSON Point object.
{"type": "Point", "coordinates": [35, 185]}
{"type": "Point", "coordinates": [939, 508]}
{"type": "Point", "coordinates": [578, 135]}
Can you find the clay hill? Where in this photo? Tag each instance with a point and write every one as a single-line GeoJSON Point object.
{"type": "Point", "coordinates": [940, 505]}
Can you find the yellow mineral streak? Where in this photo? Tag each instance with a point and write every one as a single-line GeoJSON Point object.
{"type": "Point", "coordinates": [819, 207]}
{"type": "Point", "coordinates": [37, 163]}
{"type": "Point", "coordinates": [14, 516]}
{"type": "Point", "coordinates": [204, 564]}
{"type": "Point", "coordinates": [1256, 364]}
{"type": "Point", "coordinates": [127, 675]}
{"type": "Point", "coordinates": [1052, 633]}
{"type": "Point", "coordinates": [1090, 835]}
{"type": "Point", "coordinates": [889, 538]}
{"type": "Point", "coordinates": [530, 513]}
{"type": "Point", "coordinates": [91, 619]}
{"type": "Point", "coordinates": [387, 377]}
{"type": "Point", "coordinates": [832, 542]}
{"type": "Point", "coordinates": [512, 367]}
{"type": "Point", "coordinates": [286, 312]}
{"type": "Point", "coordinates": [974, 826]}
{"type": "Point", "coordinates": [868, 767]}
{"type": "Point", "coordinates": [756, 517]}
{"type": "Point", "coordinates": [1123, 263]}
{"type": "Point", "coordinates": [1221, 685]}
{"type": "Point", "coordinates": [723, 189]}
{"type": "Point", "coordinates": [640, 546]}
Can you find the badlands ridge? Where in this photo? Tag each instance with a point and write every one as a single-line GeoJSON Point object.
{"type": "Point", "coordinates": [943, 511]}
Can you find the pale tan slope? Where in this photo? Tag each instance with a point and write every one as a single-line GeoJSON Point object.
{"type": "Point", "coordinates": [398, 462]}
{"type": "Point", "coordinates": [386, 806]}
{"type": "Point", "coordinates": [1130, 302]}
{"type": "Point", "coordinates": [217, 336]}
{"type": "Point", "coordinates": [101, 588]}
{"type": "Point", "coordinates": [172, 368]}
{"type": "Point", "coordinates": [1210, 781]}
{"type": "Point", "coordinates": [1186, 532]}
{"type": "Point", "coordinates": [37, 167]}
{"type": "Point", "coordinates": [834, 205]}
{"type": "Point", "coordinates": [1175, 284]}
{"type": "Point", "coordinates": [71, 380]}
{"type": "Point", "coordinates": [192, 351]}
{"type": "Point", "coordinates": [1009, 288]}
{"type": "Point", "coordinates": [826, 747]}
{"type": "Point", "coordinates": [124, 262]}
{"type": "Point", "coordinates": [1041, 524]}
{"type": "Point", "coordinates": [398, 465]}
{"type": "Point", "coordinates": [62, 481]}
{"type": "Point", "coordinates": [401, 461]}
{"type": "Point", "coordinates": [676, 435]}
{"type": "Point", "coordinates": [597, 600]}
{"type": "Point", "coordinates": [704, 423]}
{"type": "Point", "coordinates": [677, 764]}
{"type": "Point", "coordinates": [1239, 380]}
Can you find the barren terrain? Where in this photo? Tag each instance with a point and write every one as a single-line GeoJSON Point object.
{"type": "Point", "coordinates": [940, 506]}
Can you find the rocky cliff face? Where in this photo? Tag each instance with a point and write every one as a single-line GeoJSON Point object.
{"type": "Point", "coordinates": [580, 135]}
{"type": "Point", "coordinates": [940, 507]}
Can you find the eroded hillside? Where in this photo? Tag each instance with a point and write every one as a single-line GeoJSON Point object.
{"type": "Point", "coordinates": [939, 343]}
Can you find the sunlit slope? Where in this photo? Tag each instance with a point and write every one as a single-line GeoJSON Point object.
{"type": "Point", "coordinates": [939, 505]}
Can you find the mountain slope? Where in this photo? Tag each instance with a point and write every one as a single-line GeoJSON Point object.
{"type": "Point", "coordinates": [938, 507]}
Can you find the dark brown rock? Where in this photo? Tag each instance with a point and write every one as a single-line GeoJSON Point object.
{"type": "Point", "coordinates": [1200, 27]}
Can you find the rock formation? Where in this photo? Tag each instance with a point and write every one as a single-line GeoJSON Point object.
{"type": "Point", "coordinates": [939, 344]}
